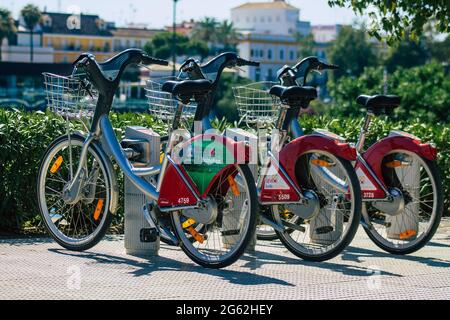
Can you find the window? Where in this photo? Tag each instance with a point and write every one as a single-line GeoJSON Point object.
{"type": "Point", "coordinates": [269, 54]}
{"type": "Point", "coordinates": [258, 74]}
{"type": "Point", "coordinates": [252, 53]}
{"type": "Point", "coordinates": [291, 55]}
{"type": "Point", "coordinates": [281, 54]}
{"type": "Point", "coordinates": [138, 43]}
{"type": "Point", "coordinates": [269, 75]}
{"type": "Point", "coordinates": [117, 45]}
{"type": "Point", "coordinates": [261, 53]}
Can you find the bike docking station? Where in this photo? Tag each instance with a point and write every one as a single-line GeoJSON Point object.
{"type": "Point", "coordinates": [239, 135]}
{"type": "Point", "coordinates": [140, 238]}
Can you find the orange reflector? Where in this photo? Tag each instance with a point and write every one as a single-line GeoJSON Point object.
{"type": "Point", "coordinates": [161, 158]}
{"type": "Point", "coordinates": [56, 165]}
{"type": "Point", "coordinates": [188, 223]}
{"type": "Point", "coordinates": [320, 163]}
{"type": "Point", "coordinates": [197, 236]}
{"type": "Point", "coordinates": [394, 164]}
{"type": "Point", "coordinates": [408, 234]}
{"type": "Point", "coordinates": [233, 186]}
{"type": "Point", "coordinates": [98, 209]}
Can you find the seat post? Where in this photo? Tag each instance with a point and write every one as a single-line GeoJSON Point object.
{"type": "Point", "coordinates": [363, 132]}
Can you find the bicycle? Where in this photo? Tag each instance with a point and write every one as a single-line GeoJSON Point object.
{"type": "Point", "coordinates": [400, 182]}
{"type": "Point", "coordinates": [315, 218]}
{"type": "Point", "coordinates": [77, 187]}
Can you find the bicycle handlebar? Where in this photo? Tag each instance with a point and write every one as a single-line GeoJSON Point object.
{"type": "Point", "coordinates": [242, 62]}
{"type": "Point", "coordinates": [106, 75]}
{"type": "Point", "coordinates": [289, 75]}
{"type": "Point", "coordinates": [147, 60]}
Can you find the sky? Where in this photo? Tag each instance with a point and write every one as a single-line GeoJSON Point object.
{"type": "Point", "coordinates": [158, 13]}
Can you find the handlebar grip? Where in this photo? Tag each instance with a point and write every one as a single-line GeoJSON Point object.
{"type": "Point", "coordinates": [242, 62]}
{"type": "Point", "coordinates": [147, 60]}
{"type": "Point", "coordinates": [329, 66]}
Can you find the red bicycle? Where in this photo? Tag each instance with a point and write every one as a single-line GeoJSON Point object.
{"type": "Point", "coordinates": [400, 182]}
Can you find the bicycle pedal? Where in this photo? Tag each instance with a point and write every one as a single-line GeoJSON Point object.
{"type": "Point", "coordinates": [324, 230]}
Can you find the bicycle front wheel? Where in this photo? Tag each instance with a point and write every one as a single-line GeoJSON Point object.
{"type": "Point", "coordinates": [218, 244]}
{"type": "Point", "coordinates": [79, 224]}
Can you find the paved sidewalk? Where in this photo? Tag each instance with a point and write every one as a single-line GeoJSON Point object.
{"type": "Point", "coordinates": [40, 269]}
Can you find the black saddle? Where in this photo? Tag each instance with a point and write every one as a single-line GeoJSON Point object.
{"type": "Point", "coordinates": [294, 96]}
{"type": "Point", "coordinates": [187, 88]}
{"type": "Point", "coordinates": [379, 103]}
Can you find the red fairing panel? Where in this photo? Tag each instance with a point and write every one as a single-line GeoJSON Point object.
{"type": "Point", "coordinates": [276, 188]}
{"type": "Point", "coordinates": [375, 154]}
{"type": "Point", "coordinates": [293, 150]}
{"type": "Point", "coordinates": [174, 191]}
{"type": "Point", "coordinates": [370, 188]}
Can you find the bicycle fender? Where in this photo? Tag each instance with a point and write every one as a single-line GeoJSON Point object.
{"type": "Point", "coordinates": [290, 154]}
{"type": "Point", "coordinates": [397, 141]}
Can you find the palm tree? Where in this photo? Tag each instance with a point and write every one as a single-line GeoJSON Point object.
{"type": "Point", "coordinates": [31, 15]}
{"type": "Point", "coordinates": [7, 26]}
{"type": "Point", "coordinates": [205, 30]}
{"type": "Point", "coordinates": [227, 35]}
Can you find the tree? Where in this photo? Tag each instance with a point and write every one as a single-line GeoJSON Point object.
{"type": "Point", "coordinates": [31, 15]}
{"type": "Point", "coordinates": [407, 54]}
{"type": "Point", "coordinates": [440, 50]}
{"type": "Point", "coordinates": [306, 45]}
{"type": "Point", "coordinates": [7, 26]}
{"type": "Point", "coordinates": [161, 46]}
{"type": "Point", "coordinates": [425, 92]}
{"type": "Point", "coordinates": [205, 30]}
{"type": "Point", "coordinates": [227, 36]}
{"type": "Point", "coordinates": [398, 18]}
{"type": "Point", "coordinates": [351, 52]}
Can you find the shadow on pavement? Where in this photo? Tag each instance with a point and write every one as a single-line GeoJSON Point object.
{"type": "Point", "coordinates": [354, 254]}
{"type": "Point", "coordinates": [165, 264]}
{"type": "Point", "coordinates": [255, 261]}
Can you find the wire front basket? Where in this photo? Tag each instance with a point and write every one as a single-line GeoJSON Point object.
{"type": "Point", "coordinates": [255, 103]}
{"type": "Point", "coordinates": [163, 105]}
{"type": "Point", "coordinates": [70, 97]}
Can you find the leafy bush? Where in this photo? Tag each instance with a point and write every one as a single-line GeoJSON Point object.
{"type": "Point", "coordinates": [24, 138]}
{"type": "Point", "coordinates": [425, 92]}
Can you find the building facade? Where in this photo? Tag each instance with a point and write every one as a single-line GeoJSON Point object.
{"type": "Point", "coordinates": [269, 32]}
{"type": "Point", "coordinates": [61, 37]}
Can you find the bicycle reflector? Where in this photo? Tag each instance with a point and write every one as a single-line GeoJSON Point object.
{"type": "Point", "coordinates": [197, 236]}
{"type": "Point", "coordinates": [98, 209]}
{"type": "Point", "coordinates": [407, 234]}
{"type": "Point", "coordinates": [56, 165]}
{"type": "Point", "coordinates": [233, 186]}
{"type": "Point", "coordinates": [320, 163]}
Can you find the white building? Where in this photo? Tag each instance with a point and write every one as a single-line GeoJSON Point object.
{"type": "Point", "coordinates": [276, 17]}
{"type": "Point", "coordinates": [325, 33]}
{"type": "Point", "coordinates": [269, 31]}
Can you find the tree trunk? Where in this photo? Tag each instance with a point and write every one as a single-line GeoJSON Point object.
{"type": "Point", "coordinates": [31, 46]}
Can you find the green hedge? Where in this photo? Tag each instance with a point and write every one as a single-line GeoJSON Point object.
{"type": "Point", "coordinates": [25, 136]}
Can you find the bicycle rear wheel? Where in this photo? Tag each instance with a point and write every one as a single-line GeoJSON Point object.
{"type": "Point", "coordinates": [411, 228]}
{"type": "Point", "coordinates": [220, 243]}
{"type": "Point", "coordinates": [324, 235]}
